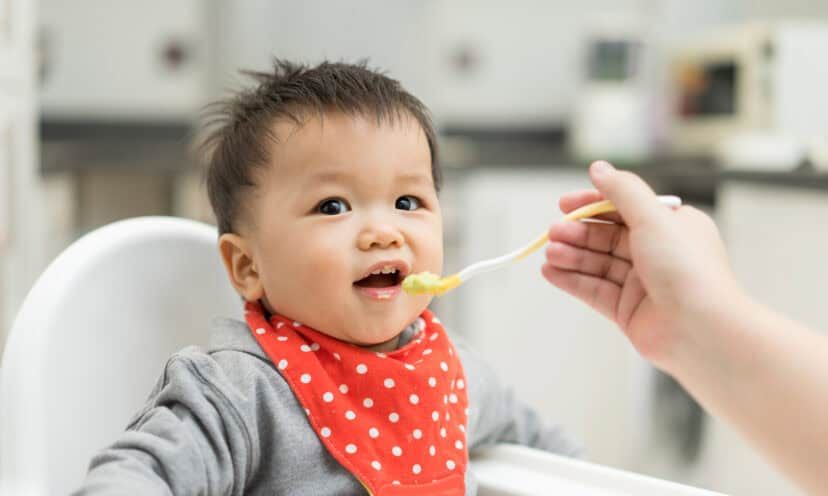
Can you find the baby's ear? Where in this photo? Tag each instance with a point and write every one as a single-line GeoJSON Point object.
{"type": "Point", "coordinates": [241, 269]}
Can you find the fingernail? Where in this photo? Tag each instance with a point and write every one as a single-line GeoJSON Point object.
{"type": "Point", "coordinates": [601, 168]}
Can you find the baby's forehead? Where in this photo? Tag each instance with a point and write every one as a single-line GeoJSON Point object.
{"type": "Point", "coordinates": [334, 141]}
{"type": "Point", "coordinates": [284, 129]}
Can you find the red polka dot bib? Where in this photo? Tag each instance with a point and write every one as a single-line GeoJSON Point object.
{"type": "Point", "coordinates": [395, 420]}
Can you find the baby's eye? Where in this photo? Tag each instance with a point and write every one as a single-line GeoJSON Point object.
{"type": "Point", "coordinates": [407, 202]}
{"type": "Point", "coordinates": [332, 206]}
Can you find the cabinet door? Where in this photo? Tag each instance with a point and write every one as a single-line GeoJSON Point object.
{"type": "Point", "coordinates": [13, 17]}
{"type": "Point", "coordinates": [776, 241]}
{"type": "Point", "coordinates": [20, 208]}
{"type": "Point", "coordinates": [122, 60]}
{"type": "Point", "coordinates": [6, 161]}
{"type": "Point", "coordinates": [561, 357]}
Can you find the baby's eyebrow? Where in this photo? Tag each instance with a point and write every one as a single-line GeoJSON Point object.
{"type": "Point", "coordinates": [342, 177]}
{"type": "Point", "coordinates": [417, 179]}
{"type": "Point", "coordinates": [330, 177]}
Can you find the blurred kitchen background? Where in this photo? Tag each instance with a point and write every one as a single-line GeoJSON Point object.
{"type": "Point", "coordinates": [724, 102]}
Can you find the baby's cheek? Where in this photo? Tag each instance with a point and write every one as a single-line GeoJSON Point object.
{"type": "Point", "coordinates": [429, 249]}
{"type": "Point", "coordinates": [326, 267]}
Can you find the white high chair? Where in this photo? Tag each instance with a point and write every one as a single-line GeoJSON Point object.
{"type": "Point", "coordinates": [95, 330]}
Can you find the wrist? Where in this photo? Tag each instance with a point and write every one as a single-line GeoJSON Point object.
{"type": "Point", "coordinates": [707, 328]}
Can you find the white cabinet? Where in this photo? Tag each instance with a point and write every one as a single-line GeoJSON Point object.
{"type": "Point", "coordinates": [120, 59]}
{"type": "Point", "coordinates": [13, 35]}
{"type": "Point", "coordinates": [391, 35]}
{"type": "Point", "coordinates": [777, 239]}
{"type": "Point", "coordinates": [561, 357]}
{"type": "Point", "coordinates": [21, 226]}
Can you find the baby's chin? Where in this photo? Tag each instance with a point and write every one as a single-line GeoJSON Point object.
{"type": "Point", "coordinates": [383, 337]}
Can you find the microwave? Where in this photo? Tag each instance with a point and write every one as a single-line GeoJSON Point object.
{"type": "Point", "coordinates": [757, 78]}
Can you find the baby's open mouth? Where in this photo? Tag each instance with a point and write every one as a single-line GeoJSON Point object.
{"type": "Point", "coordinates": [381, 278]}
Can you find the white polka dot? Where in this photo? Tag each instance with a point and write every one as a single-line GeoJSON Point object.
{"type": "Point", "coordinates": [367, 402]}
{"type": "Point", "coordinates": [414, 399]}
{"type": "Point", "coordinates": [327, 397]}
{"type": "Point", "coordinates": [307, 412]}
{"type": "Point", "coordinates": [453, 398]}
{"type": "Point", "coordinates": [416, 468]}
{"type": "Point", "coordinates": [462, 428]}
{"type": "Point", "coordinates": [343, 388]}
{"type": "Point", "coordinates": [450, 464]}
{"type": "Point", "coordinates": [466, 411]}
{"type": "Point", "coordinates": [427, 352]}
{"type": "Point", "coordinates": [282, 338]}
{"type": "Point", "coordinates": [409, 366]}
{"type": "Point", "coordinates": [315, 346]}
{"type": "Point", "coordinates": [279, 325]}
{"type": "Point", "coordinates": [435, 416]}
{"type": "Point", "coordinates": [350, 415]}
{"type": "Point", "coordinates": [260, 330]}
{"type": "Point", "coordinates": [432, 382]}
{"type": "Point", "coordinates": [325, 432]}
{"type": "Point", "coordinates": [351, 449]}
{"type": "Point", "coordinates": [445, 399]}
{"type": "Point", "coordinates": [448, 416]}
{"type": "Point", "coordinates": [418, 434]}
{"type": "Point", "coordinates": [461, 383]}
{"type": "Point", "coordinates": [381, 355]}
{"type": "Point", "coordinates": [376, 465]}
{"type": "Point", "coordinates": [297, 324]}
{"type": "Point", "coordinates": [306, 378]}
{"type": "Point", "coordinates": [444, 366]}
{"type": "Point", "coordinates": [443, 432]}
{"type": "Point", "coordinates": [395, 483]}
{"type": "Point", "coordinates": [388, 383]}
{"type": "Point", "coordinates": [432, 450]}
{"type": "Point", "coordinates": [373, 432]}
{"type": "Point", "coordinates": [361, 368]}
{"type": "Point", "coordinates": [282, 364]}
{"type": "Point", "coordinates": [305, 348]}
{"type": "Point", "coordinates": [435, 320]}
{"type": "Point", "coordinates": [451, 351]}
{"type": "Point", "coordinates": [396, 451]}
{"type": "Point", "coordinates": [458, 444]}
{"type": "Point", "coordinates": [434, 337]}
{"type": "Point", "coordinates": [336, 355]}
{"type": "Point", "coordinates": [394, 417]}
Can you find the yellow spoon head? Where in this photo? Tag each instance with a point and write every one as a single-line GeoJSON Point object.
{"type": "Point", "coordinates": [428, 283]}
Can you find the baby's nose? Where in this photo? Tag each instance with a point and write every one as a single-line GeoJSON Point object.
{"type": "Point", "coordinates": [381, 236]}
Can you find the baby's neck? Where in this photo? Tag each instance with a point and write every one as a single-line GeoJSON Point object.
{"type": "Point", "coordinates": [390, 345]}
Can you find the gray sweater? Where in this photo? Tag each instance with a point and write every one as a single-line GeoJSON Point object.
{"type": "Point", "coordinates": [223, 421]}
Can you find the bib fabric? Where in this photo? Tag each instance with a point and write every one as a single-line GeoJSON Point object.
{"type": "Point", "coordinates": [395, 420]}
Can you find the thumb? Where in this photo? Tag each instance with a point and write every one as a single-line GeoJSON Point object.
{"type": "Point", "coordinates": [633, 198]}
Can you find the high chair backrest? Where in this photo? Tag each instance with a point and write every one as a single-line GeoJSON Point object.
{"type": "Point", "coordinates": [91, 339]}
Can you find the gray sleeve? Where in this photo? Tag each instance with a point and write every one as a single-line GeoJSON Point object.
{"type": "Point", "coordinates": [188, 439]}
{"type": "Point", "coordinates": [496, 416]}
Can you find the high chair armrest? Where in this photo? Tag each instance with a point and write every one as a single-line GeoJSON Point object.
{"type": "Point", "coordinates": [511, 470]}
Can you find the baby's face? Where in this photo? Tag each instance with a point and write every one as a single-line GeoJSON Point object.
{"type": "Point", "coordinates": [346, 210]}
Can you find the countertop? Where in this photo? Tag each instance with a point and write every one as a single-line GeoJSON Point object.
{"type": "Point", "coordinates": [163, 148]}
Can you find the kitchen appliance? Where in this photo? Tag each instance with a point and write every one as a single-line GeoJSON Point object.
{"type": "Point", "coordinates": [612, 116]}
{"type": "Point", "coordinates": [755, 79]}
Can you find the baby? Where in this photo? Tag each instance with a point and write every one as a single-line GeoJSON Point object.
{"type": "Point", "coordinates": [324, 184]}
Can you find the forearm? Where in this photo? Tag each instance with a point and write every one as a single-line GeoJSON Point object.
{"type": "Point", "coordinates": [122, 471]}
{"type": "Point", "coordinates": [767, 376]}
